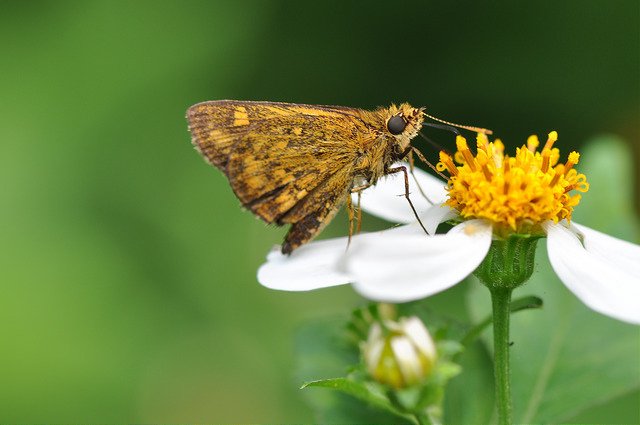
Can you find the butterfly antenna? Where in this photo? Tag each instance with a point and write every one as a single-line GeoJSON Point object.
{"type": "Point", "coordinates": [466, 127]}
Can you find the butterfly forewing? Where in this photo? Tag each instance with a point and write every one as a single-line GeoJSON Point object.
{"type": "Point", "coordinates": [287, 163]}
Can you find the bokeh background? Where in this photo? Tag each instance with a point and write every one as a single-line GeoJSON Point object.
{"type": "Point", "coordinates": [127, 267]}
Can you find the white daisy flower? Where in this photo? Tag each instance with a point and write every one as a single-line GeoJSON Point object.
{"type": "Point", "coordinates": [493, 197]}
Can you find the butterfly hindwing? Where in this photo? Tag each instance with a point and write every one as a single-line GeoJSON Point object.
{"type": "Point", "coordinates": [311, 214]}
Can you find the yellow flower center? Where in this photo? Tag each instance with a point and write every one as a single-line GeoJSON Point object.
{"type": "Point", "coordinates": [515, 193]}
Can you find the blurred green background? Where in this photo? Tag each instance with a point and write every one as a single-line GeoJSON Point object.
{"type": "Point", "coordinates": [128, 267]}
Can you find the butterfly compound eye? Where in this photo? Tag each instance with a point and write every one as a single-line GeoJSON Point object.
{"type": "Point", "coordinates": [396, 125]}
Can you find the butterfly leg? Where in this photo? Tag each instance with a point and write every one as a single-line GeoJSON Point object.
{"type": "Point", "coordinates": [403, 169]}
{"type": "Point", "coordinates": [359, 190]}
{"type": "Point", "coordinates": [359, 212]}
{"type": "Point", "coordinates": [415, 179]}
{"type": "Point", "coordinates": [350, 214]}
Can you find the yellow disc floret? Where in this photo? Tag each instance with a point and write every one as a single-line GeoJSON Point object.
{"type": "Point", "coordinates": [515, 193]}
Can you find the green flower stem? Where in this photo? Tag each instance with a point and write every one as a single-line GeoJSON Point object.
{"type": "Point", "coordinates": [508, 264]}
{"type": "Point", "coordinates": [501, 299]}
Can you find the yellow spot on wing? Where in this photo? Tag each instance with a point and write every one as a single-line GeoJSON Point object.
{"type": "Point", "coordinates": [317, 112]}
{"type": "Point", "coordinates": [279, 174]}
{"type": "Point", "coordinates": [216, 134]}
{"type": "Point", "coordinates": [304, 110]}
{"type": "Point", "coordinates": [240, 116]}
{"type": "Point", "coordinates": [254, 182]}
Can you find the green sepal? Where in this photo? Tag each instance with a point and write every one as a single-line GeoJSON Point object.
{"type": "Point", "coordinates": [509, 262]}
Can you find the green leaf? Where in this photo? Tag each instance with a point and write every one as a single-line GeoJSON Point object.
{"type": "Point", "coordinates": [624, 407]}
{"type": "Point", "coordinates": [367, 392]}
{"type": "Point", "coordinates": [526, 303]}
{"type": "Point", "coordinates": [567, 359]}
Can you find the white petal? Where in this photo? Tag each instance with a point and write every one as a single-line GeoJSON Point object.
{"type": "Point", "coordinates": [407, 358]}
{"type": "Point", "coordinates": [386, 199]}
{"type": "Point", "coordinates": [395, 267]}
{"type": "Point", "coordinates": [435, 215]}
{"type": "Point", "coordinates": [318, 264]}
{"type": "Point", "coordinates": [311, 266]}
{"type": "Point", "coordinates": [622, 254]}
{"type": "Point", "coordinates": [373, 347]}
{"type": "Point", "coordinates": [603, 285]}
{"type": "Point", "coordinates": [418, 334]}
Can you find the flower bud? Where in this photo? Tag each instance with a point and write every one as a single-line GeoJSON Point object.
{"type": "Point", "coordinates": [399, 354]}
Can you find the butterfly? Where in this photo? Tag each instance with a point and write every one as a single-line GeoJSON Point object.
{"type": "Point", "coordinates": [296, 164]}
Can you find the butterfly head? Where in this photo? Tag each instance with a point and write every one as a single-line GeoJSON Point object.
{"type": "Point", "coordinates": [403, 123]}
